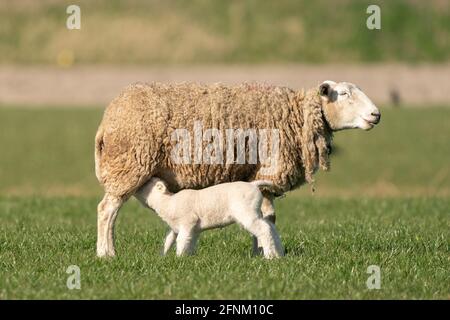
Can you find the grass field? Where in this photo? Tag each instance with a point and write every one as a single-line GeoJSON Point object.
{"type": "Point", "coordinates": [330, 244]}
{"type": "Point", "coordinates": [386, 202]}
{"type": "Point", "coordinates": [199, 31]}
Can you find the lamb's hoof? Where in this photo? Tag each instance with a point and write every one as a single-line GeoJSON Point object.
{"type": "Point", "coordinates": [272, 257]}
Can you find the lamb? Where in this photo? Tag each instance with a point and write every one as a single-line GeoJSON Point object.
{"type": "Point", "coordinates": [189, 212]}
{"type": "Point", "coordinates": [135, 140]}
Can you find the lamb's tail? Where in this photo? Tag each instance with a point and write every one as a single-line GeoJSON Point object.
{"type": "Point", "coordinates": [99, 144]}
{"type": "Point", "coordinates": [262, 183]}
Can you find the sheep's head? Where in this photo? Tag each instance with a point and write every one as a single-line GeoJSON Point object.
{"type": "Point", "coordinates": [150, 192]}
{"type": "Point", "coordinates": [345, 106]}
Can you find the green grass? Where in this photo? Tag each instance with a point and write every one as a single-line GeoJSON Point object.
{"type": "Point", "coordinates": [222, 31]}
{"type": "Point", "coordinates": [330, 244]}
{"type": "Point", "coordinates": [385, 202]}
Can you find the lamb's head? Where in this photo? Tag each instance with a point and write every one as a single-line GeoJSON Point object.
{"type": "Point", "coordinates": [150, 193]}
{"type": "Point", "coordinates": [345, 106]}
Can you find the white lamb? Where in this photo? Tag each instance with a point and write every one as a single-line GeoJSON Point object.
{"type": "Point", "coordinates": [189, 212]}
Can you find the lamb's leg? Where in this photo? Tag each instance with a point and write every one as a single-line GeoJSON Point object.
{"type": "Point", "coordinates": [186, 241]}
{"type": "Point", "coordinates": [269, 239]}
{"type": "Point", "coordinates": [193, 243]}
{"type": "Point", "coordinates": [268, 212]}
{"type": "Point", "coordinates": [170, 240]}
{"type": "Point", "coordinates": [107, 212]}
{"type": "Point", "coordinates": [276, 239]}
{"type": "Point", "coordinates": [267, 236]}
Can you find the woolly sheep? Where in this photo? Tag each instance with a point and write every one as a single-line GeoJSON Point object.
{"type": "Point", "coordinates": [189, 212]}
{"type": "Point", "coordinates": [134, 141]}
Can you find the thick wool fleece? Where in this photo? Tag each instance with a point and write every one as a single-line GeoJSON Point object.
{"type": "Point", "coordinates": [133, 142]}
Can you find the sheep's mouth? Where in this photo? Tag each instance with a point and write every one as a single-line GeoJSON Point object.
{"type": "Point", "coordinates": [371, 123]}
{"type": "Point", "coordinates": [373, 119]}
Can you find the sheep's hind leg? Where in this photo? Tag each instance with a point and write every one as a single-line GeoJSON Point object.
{"type": "Point", "coordinates": [267, 236]}
{"type": "Point", "coordinates": [276, 239]}
{"type": "Point", "coordinates": [268, 213]}
{"type": "Point", "coordinates": [170, 240]}
{"type": "Point", "coordinates": [107, 212]}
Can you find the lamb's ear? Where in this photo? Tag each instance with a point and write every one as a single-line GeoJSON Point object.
{"type": "Point", "coordinates": [160, 186]}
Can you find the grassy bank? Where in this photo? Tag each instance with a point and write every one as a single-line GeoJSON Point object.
{"type": "Point", "coordinates": [149, 32]}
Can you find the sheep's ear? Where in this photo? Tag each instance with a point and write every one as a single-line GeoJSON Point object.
{"type": "Point", "coordinates": [325, 89]}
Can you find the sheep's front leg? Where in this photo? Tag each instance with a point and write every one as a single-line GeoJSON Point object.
{"type": "Point", "coordinates": [170, 240]}
{"type": "Point", "coordinates": [186, 241]}
{"type": "Point", "coordinates": [268, 212]}
{"type": "Point", "coordinates": [107, 212]}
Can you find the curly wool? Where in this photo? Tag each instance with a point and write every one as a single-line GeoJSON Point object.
{"type": "Point", "coordinates": [133, 142]}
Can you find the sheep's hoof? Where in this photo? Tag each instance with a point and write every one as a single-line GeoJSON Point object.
{"type": "Point", "coordinates": [105, 254]}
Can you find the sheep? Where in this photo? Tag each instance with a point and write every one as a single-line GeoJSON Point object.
{"type": "Point", "coordinates": [189, 212]}
{"type": "Point", "coordinates": [138, 135]}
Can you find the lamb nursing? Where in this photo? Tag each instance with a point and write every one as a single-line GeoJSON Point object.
{"type": "Point", "coordinates": [134, 140]}
{"type": "Point", "coordinates": [189, 212]}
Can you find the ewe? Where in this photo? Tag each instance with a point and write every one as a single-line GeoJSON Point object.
{"type": "Point", "coordinates": [189, 212]}
{"type": "Point", "coordinates": [133, 143]}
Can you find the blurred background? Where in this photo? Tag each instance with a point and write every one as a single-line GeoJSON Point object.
{"type": "Point", "coordinates": [55, 82]}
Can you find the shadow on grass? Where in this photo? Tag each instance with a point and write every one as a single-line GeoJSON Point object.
{"type": "Point", "coordinates": [294, 250]}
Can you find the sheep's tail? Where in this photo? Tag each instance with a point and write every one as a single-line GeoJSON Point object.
{"type": "Point", "coordinates": [99, 144]}
{"type": "Point", "coordinates": [262, 183]}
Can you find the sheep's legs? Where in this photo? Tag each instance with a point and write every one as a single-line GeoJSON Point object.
{"type": "Point", "coordinates": [268, 212]}
{"type": "Point", "coordinates": [107, 212]}
{"type": "Point", "coordinates": [267, 236]}
{"type": "Point", "coordinates": [170, 240]}
{"type": "Point", "coordinates": [276, 239]}
{"type": "Point", "coordinates": [186, 241]}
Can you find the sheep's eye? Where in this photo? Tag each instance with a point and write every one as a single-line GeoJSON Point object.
{"type": "Point", "coordinates": [343, 93]}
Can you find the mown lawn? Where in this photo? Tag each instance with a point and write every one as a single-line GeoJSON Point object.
{"type": "Point", "coordinates": [385, 202]}
{"type": "Point", "coordinates": [330, 244]}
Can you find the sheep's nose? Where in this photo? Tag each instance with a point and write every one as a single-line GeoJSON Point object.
{"type": "Point", "coordinates": [377, 116]}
